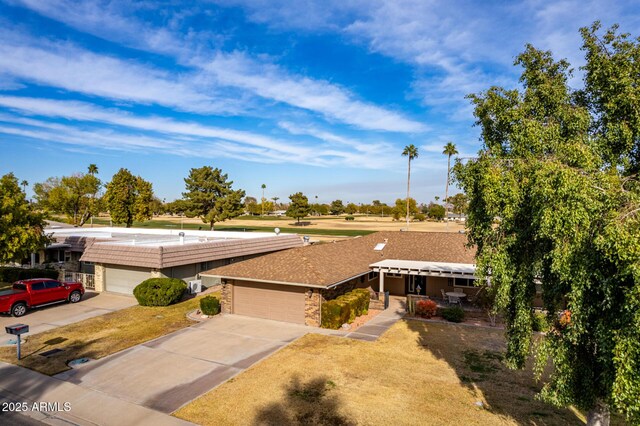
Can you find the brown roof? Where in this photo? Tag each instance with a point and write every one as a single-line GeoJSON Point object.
{"type": "Point", "coordinates": [76, 243]}
{"type": "Point", "coordinates": [327, 264]}
{"type": "Point", "coordinates": [159, 257]}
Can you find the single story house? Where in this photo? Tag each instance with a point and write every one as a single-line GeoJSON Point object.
{"type": "Point", "coordinates": [291, 285]}
{"type": "Point", "coordinates": [120, 258]}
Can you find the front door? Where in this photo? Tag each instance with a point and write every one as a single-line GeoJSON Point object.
{"type": "Point", "coordinates": [415, 284]}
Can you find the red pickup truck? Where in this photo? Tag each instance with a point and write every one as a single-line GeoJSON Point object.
{"type": "Point", "coordinates": [37, 292]}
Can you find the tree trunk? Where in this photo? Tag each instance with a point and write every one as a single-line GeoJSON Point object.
{"type": "Point", "coordinates": [212, 222]}
{"type": "Point", "coordinates": [408, 183]}
{"type": "Point", "coordinates": [446, 190]}
{"type": "Point", "coordinates": [599, 415]}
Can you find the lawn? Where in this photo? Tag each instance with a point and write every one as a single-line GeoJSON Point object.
{"type": "Point", "coordinates": [306, 230]}
{"type": "Point", "coordinates": [100, 336]}
{"type": "Point", "coordinates": [416, 373]}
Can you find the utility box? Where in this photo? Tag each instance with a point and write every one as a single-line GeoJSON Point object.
{"type": "Point", "coordinates": [17, 329]}
{"type": "Point", "coordinates": [194, 286]}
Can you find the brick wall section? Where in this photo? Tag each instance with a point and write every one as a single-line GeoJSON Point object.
{"type": "Point", "coordinates": [99, 277]}
{"type": "Point", "coordinates": [312, 308]}
{"type": "Point", "coordinates": [227, 297]}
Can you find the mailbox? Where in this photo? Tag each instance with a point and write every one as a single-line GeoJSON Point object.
{"type": "Point", "coordinates": [17, 329]}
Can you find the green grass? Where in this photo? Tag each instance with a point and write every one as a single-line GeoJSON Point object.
{"type": "Point", "coordinates": [305, 230]}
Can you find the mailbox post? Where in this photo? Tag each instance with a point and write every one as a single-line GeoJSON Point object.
{"type": "Point", "coordinates": [17, 330]}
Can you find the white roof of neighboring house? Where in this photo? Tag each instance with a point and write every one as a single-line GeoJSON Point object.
{"type": "Point", "coordinates": [163, 248]}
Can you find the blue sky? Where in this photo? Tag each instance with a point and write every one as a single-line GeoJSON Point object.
{"type": "Point", "coordinates": [312, 96]}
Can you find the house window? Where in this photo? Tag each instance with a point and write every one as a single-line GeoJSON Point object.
{"type": "Point", "coordinates": [373, 275]}
{"type": "Point", "coordinates": [464, 282]}
{"type": "Point", "coordinates": [450, 282]}
{"type": "Point", "coordinates": [67, 256]}
{"type": "Point", "coordinates": [362, 278]}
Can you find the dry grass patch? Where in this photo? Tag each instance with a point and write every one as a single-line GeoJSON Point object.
{"type": "Point", "coordinates": [100, 336]}
{"type": "Point", "coordinates": [417, 373]}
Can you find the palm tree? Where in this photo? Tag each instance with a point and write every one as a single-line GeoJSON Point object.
{"type": "Point", "coordinates": [449, 150]}
{"type": "Point", "coordinates": [24, 184]}
{"type": "Point", "coordinates": [412, 152]}
{"type": "Point", "coordinates": [275, 202]}
{"type": "Point", "coordinates": [93, 169]}
{"type": "Point", "coordinates": [263, 188]}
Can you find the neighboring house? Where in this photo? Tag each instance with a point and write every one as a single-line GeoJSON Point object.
{"type": "Point", "coordinates": [121, 258]}
{"type": "Point", "coordinates": [291, 285]}
{"type": "Point", "coordinates": [456, 217]}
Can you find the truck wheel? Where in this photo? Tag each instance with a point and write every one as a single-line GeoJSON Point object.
{"type": "Point", "coordinates": [19, 309]}
{"type": "Point", "coordinates": [75, 297]}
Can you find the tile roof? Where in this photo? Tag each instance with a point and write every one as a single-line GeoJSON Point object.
{"type": "Point", "coordinates": [331, 263]}
{"type": "Point", "coordinates": [159, 257]}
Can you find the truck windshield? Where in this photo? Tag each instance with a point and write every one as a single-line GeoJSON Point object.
{"type": "Point", "coordinates": [20, 287]}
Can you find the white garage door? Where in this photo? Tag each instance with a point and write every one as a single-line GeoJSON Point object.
{"type": "Point", "coordinates": [270, 301]}
{"type": "Point", "coordinates": [119, 279]}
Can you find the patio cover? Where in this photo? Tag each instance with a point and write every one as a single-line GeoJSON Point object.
{"type": "Point", "coordinates": [415, 267]}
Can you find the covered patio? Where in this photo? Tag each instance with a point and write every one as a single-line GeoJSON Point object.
{"type": "Point", "coordinates": [430, 279]}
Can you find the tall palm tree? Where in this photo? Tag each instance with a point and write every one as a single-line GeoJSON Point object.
{"type": "Point", "coordinates": [24, 184]}
{"type": "Point", "coordinates": [412, 152]}
{"type": "Point", "coordinates": [93, 169]}
{"type": "Point", "coordinates": [449, 150]}
{"type": "Point", "coordinates": [263, 188]}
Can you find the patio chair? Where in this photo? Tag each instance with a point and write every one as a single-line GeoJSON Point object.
{"type": "Point", "coordinates": [454, 300]}
{"type": "Point", "coordinates": [444, 296]}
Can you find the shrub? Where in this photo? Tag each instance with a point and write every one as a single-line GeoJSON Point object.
{"type": "Point", "coordinates": [419, 217]}
{"type": "Point", "coordinates": [210, 305]}
{"type": "Point", "coordinates": [345, 308]}
{"type": "Point", "coordinates": [349, 217]}
{"type": "Point", "coordinates": [159, 291]}
{"type": "Point", "coordinates": [540, 322]}
{"type": "Point", "coordinates": [453, 314]}
{"type": "Point", "coordinates": [10, 274]}
{"type": "Point", "coordinates": [334, 314]}
{"type": "Point", "coordinates": [426, 308]}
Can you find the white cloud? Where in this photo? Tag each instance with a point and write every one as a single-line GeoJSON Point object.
{"type": "Point", "coordinates": [216, 69]}
{"type": "Point", "coordinates": [183, 137]}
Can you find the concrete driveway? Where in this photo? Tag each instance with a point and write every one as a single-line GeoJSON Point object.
{"type": "Point", "coordinates": [52, 316]}
{"type": "Point", "coordinates": [168, 372]}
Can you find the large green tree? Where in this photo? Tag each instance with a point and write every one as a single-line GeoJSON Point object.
{"type": "Point", "coordinates": [210, 196]}
{"type": "Point", "coordinates": [128, 198]}
{"type": "Point", "coordinates": [75, 196]}
{"type": "Point", "coordinates": [299, 206]}
{"type": "Point", "coordinates": [337, 207]}
{"type": "Point", "coordinates": [555, 200]}
{"type": "Point", "coordinates": [21, 227]}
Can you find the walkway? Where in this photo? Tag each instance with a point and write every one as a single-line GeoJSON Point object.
{"type": "Point", "coordinates": [381, 322]}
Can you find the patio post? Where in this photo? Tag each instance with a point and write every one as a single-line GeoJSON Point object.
{"type": "Point", "coordinates": [381, 282]}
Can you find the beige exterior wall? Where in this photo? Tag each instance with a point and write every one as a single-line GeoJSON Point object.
{"type": "Point", "coordinates": [99, 277]}
{"type": "Point", "coordinates": [435, 285]}
{"type": "Point", "coordinates": [395, 286]}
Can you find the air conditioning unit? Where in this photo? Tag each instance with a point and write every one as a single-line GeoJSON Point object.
{"type": "Point", "coordinates": [195, 286]}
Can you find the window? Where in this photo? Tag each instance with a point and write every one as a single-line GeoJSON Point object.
{"type": "Point", "coordinates": [393, 275]}
{"type": "Point", "coordinates": [464, 282]}
{"type": "Point", "coordinates": [52, 284]}
{"type": "Point", "coordinates": [362, 278]}
{"type": "Point", "coordinates": [37, 286]}
{"type": "Point", "coordinates": [67, 256]}
{"type": "Point", "coordinates": [450, 282]}
{"type": "Point", "coordinates": [373, 275]}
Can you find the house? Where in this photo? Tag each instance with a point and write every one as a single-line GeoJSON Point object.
{"type": "Point", "coordinates": [291, 285]}
{"type": "Point", "coordinates": [456, 217]}
{"type": "Point", "coordinates": [118, 259]}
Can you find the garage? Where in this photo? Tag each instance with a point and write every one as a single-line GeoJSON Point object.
{"type": "Point", "coordinates": [123, 280]}
{"type": "Point", "coordinates": [270, 301]}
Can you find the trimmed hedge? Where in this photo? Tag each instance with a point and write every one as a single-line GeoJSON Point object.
{"type": "Point", "coordinates": [344, 309]}
{"type": "Point", "coordinates": [10, 274]}
{"type": "Point", "coordinates": [210, 305]}
{"type": "Point", "coordinates": [159, 291]}
{"type": "Point", "coordinates": [453, 314]}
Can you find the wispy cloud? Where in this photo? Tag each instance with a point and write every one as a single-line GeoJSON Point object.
{"type": "Point", "coordinates": [216, 69]}
{"type": "Point", "coordinates": [187, 138]}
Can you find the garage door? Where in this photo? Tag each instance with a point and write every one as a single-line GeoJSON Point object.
{"type": "Point", "coordinates": [119, 279]}
{"type": "Point", "coordinates": [270, 301]}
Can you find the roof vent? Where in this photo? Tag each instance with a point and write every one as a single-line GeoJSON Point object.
{"type": "Point", "coordinates": [380, 246]}
{"type": "Point", "coordinates": [181, 237]}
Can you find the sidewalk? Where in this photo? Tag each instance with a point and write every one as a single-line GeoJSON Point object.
{"type": "Point", "coordinates": [382, 322]}
{"type": "Point", "coordinates": [85, 406]}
